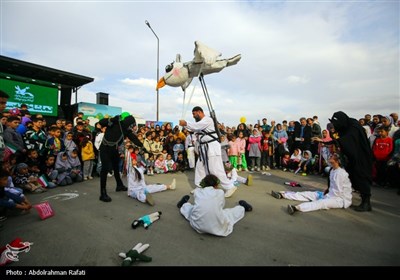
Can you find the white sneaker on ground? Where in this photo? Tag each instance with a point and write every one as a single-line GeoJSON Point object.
{"type": "Point", "coordinates": [173, 185]}
{"type": "Point", "coordinates": [230, 192]}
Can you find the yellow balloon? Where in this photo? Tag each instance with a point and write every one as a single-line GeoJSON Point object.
{"type": "Point", "coordinates": [243, 120]}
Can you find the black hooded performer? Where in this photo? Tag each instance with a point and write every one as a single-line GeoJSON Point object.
{"type": "Point", "coordinates": [118, 128]}
{"type": "Point", "coordinates": [354, 144]}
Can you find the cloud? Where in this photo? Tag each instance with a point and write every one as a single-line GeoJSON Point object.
{"type": "Point", "coordinates": [143, 82]}
{"type": "Point", "coordinates": [298, 58]}
{"type": "Point", "coordinates": [297, 80]}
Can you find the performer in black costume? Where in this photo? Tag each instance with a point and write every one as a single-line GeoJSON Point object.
{"type": "Point", "coordinates": [354, 144]}
{"type": "Point", "coordinates": [118, 128]}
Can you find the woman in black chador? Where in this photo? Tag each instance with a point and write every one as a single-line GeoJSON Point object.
{"type": "Point", "coordinates": [354, 145]}
{"type": "Point", "coordinates": [118, 128]}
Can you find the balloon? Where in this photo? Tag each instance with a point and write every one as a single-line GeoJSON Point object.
{"type": "Point", "coordinates": [243, 120]}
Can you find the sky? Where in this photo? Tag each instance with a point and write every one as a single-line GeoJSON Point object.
{"type": "Point", "coordinates": [299, 58]}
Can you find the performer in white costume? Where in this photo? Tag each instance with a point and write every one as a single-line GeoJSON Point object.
{"type": "Point", "coordinates": [208, 215]}
{"type": "Point", "coordinates": [338, 195]}
{"type": "Point", "coordinates": [209, 161]}
{"type": "Point", "coordinates": [137, 187]}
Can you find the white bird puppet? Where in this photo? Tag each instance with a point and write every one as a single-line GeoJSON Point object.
{"type": "Point", "coordinates": [204, 62]}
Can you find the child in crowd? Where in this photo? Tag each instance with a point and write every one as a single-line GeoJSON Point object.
{"type": "Point", "coordinates": [207, 214]}
{"type": "Point", "coordinates": [76, 166]}
{"type": "Point", "coordinates": [338, 194]}
{"type": "Point", "coordinates": [137, 187]}
{"type": "Point", "coordinates": [54, 144]}
{"type": "Point", "coordinates": [254, 148]}
{"type": "Point", "coordinates": [69, 143]}
{"type": "Point", "coordinates": [232, 175]}
{"type": "Point", "coordinates": [178, 147]}
{"type": "Point", "coordinates": [165, 153]}
{"type": "Point", "coordinates": [33, 161]}
{"type": "Point", "coordinates": [88, 157]}
{"type": "Point", "coordinates": [11, 197]}
{"type": "Point", "coordinates": [181, 163]}
{"type": "Point", "coordinates": [306, 163]}
{"type": "Point", "coordinates": [170, 164]}
{"type": "Point", "coordinates": [233, 151]}
{"type": "Point", "coordinates": [241, 142]}
{"type": "Point", "coordinates": [47, 170]}
{"type": "Point", "coordinates": [26, 180]}
{"type": "Point", "coordinates": [224, 149]}
{"type": "Point", "coordinates": [285, 161]}
{"type": "Point", "coordinates": [64, 169]}
{"type": "Point", "coordinates": [150, 165]}
{"type": "Point", "coordinates": [159, 165]}
{"type": "Point", "coordinates": [295, 159]}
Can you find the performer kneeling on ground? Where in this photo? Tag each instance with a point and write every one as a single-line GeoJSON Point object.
{"type": "Point", "coordinates": [208, 215]}
{"type": "Point", "coordinates": [118, 128]}
{"type": "Point", "coordinates": [137, 187]}
{"type": "Point", "coordinates": [338, 194]}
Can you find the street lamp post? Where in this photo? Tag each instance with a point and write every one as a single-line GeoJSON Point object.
{"type": "Point", "coordinates": [158, 62]}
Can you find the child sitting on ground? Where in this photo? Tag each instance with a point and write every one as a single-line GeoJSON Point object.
{"type": "Point", "coordinates": [338, 194]}
{"type": "Point", "coordinates": [11, 197]}
{"type": "Point", "coordinates": [207, 214]}
{"type": "Point", "coordinates": [137, 187]}
{"type": "Point", "coordinates": [27, 181]}
{"type": "Point", "coordinates": [232, 175]}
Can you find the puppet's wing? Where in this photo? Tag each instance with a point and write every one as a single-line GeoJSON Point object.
{"type": "Point", "coordinates": [205, 54]}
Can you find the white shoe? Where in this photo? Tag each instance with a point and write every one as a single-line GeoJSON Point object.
{"type": "Point", "coordinates": [230, 192]}
{"type": "Point", "coordinates": [110, 175]}
{"type": "Point", "coordinates": [90, 177]}
{"type": "Point", "coordinates": [173, 185]}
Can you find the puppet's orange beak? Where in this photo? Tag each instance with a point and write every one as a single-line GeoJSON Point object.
{"type": "Point", "coordinates": [161, 83]}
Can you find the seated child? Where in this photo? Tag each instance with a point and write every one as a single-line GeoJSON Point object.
{"type": "Point", "coordinates": [207, 214]}
{"type": "Point", "coordinates": [150, 165]}
{"type": "Point", "coordinates": [64, 169]}
{"type": "Point", "coordinates": [285, 161]}
{"type": "Point", "coordinates": [170, 164]}
{"type": "Point", "coordinates": [11, 197]}
{"type": "Point", "coordinates": [180, 163]}
{"type": "Point", "coordinates": [232, 175]}
{"type": "Point", "coordinates": [159, 165]}
{"type": "Point", "coordinates": [137, 187]}
{"type": "Point", "coordinates": [295, 159]}
{"type": "Point", "coordinates": [338, 194]}
{"type": "Point", "coordinates": [27, 181]}
{"type": "Point", "coordinates": [48, 170]}
{"type": "Point", "coordinates": [76, 168]}
{"type": "Point", "coordinates": [306, 163]}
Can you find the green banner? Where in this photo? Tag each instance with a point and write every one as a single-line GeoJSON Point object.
{"type": "Point", "coordinates": [39, 99]}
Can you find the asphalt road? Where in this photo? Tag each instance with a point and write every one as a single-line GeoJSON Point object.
{"type": "Point", "coordinates": [88, 232]}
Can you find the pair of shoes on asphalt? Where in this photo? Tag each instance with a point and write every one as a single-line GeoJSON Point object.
{"type": "Point", "coordinates": [249, 180]}
{"type": "Point", "coordinates": [277, 195]}
{"type": "Point", "coordinates": [247, 207]}
{"type": "Point", "coordinates": [291, 209]}
{"type": "Point", "coordinates": [183, 200]}
{"type": "Point", "coordinates": [230, 192]}
{"type": "Point", "coordinates": [121, 188]}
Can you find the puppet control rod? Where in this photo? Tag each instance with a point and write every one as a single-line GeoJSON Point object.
{"type": "Point", "coordinates": [209, 105]}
